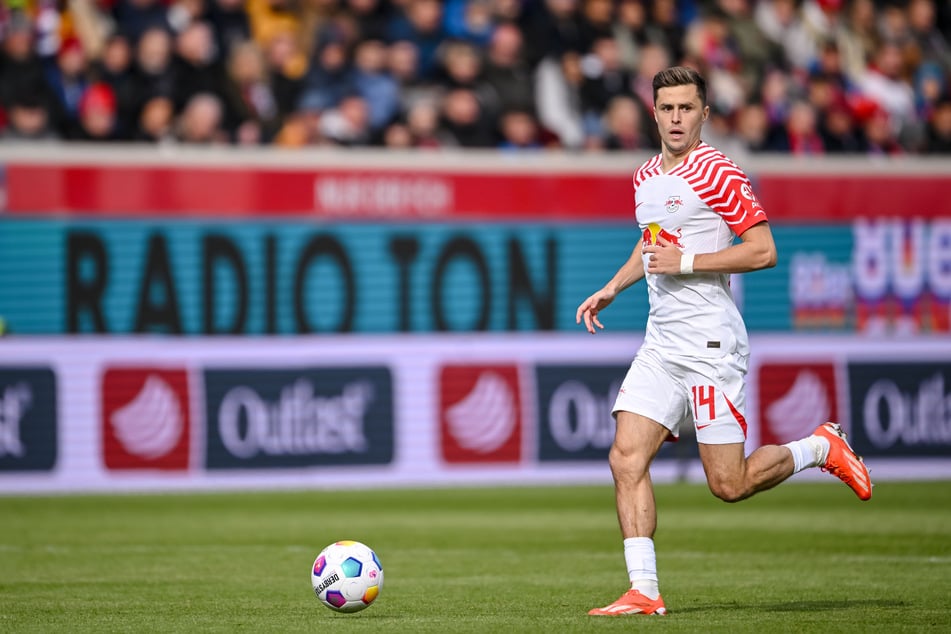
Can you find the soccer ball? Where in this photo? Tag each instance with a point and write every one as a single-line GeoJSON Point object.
{"type": "Point", "coordinates": [347, 576]}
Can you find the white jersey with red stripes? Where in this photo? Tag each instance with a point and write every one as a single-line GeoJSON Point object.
{"type": "Point", "coordinates": [699, 206]}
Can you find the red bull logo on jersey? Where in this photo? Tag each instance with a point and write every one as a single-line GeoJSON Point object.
{"type": "Point", "coordinates": [673, 204]}
{"type": "Point", "coordinates": [653, 232]}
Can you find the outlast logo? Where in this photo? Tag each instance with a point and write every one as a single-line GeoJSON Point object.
{"type": "Point", "coordinates": [901, 409]}
{"type": "Point", "coordinates": [294, 418]}
{"type": "Point", "coordinates": [15, 400]}
{"type": "Point", "coordinates": [574, 409]}
{"type": "Point", "coordinates": [298, 423]}
{"type": "Point", "coordinates": [28, 419]}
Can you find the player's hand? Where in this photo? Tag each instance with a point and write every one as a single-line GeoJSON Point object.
{"type": "Point", "coordinates": [589, 309]}
{"type": "Point", "coordinates": [664, 257]}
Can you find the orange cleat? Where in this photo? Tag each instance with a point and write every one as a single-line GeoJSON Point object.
{"type": "Point", "coordinates": [632, 602]}
{"type": "Point", "coordinates": [842, 461]}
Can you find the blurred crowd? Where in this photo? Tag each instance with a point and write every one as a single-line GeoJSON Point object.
{"type": "Point", "coordinates": [804, 77]}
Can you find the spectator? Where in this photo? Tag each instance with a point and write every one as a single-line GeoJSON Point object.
{"type": "Point", "coordinates": [249, 95]}
{"type": "Point", "coordinates": [196, 65]}
{"type": "Point", "coordinates": [506, 72]}
{"type": "Point", "coordinates": [114, 68]}
{"type": "Point", "coordinates": [835, 124]}
{"type": "Point", "coordinates": [718, 131]}
{"type": "Point", "coordinates": [267, 18]}
{"type": "Point", "coordinates": [782, 23]}
{"type": "Point", "coordinates": [87, 20]}
{"type": "Point", "coordinates": [938, 130]}
{"type": "Point", "coordinates": [67, 81]}
{"type": "Point", "coordinates": [371, 18]}
{"type": "Point", "coordinates": [397, 136]}
{"type": "Point", "coordinates": [776, 94]}
{"type": "Point", "coordinates": [839, 132]}
{"type": "Point", "coordinates": [464, 122]}
{"type": "Point", "coordinates": [461, 67]}
{"type": "Point", "coordinates": [202, 120]}
{"type": "Point", "coordinates": [630, 31]}
{"type": "Point", "coordinates": [508, 11]}
{"type": "Point", "coordinates": [930, 85]}
{"type": "Point", "coordinates": [879, 133]}
{"type": "Point", "coordinates": [710, 46]}
{"type": "Point", "coordinates": [799, 135]}
{"type": "Point", "coordinates": [558, 95]}
{"type": "Point", "coordinates": [752, 127]}
{"type": "Point", "coordinates": [152, 72]}
{"type": "Point", "coordinates": [519, 131]}
{"type": "Point", "coordinates": [299, 130]}
{"type": "Point", "coordinates": [892, 22]}
{"type": "Point", "coordinates": [624, 126]}
{"type": "Point", "coordinates": [230, 24]}
{"type": "Point", "coordinates": [286, 66]}
{"type": "Point", "coordinates": [403, 66]}
{"type": "Point", "coordinates": [470, 20]}
{"type": "Point", "coordinates": [28, 119]}
{"type": "Point", "coordinates": [134, 17]}
{"type": "Point", "coordinates": [98, 115]}
{"type": "Point", "coordinates": [184, 13]}
{"type": "Point", "coordinates": [596, 22]}
{"type": "Point", "coordinates": [928, 43]}
{"type": "Point", "coordinates": [829, 66]}
{"type": "Point", "coordinates": [347, 124]}
{"type": "Point", "coordinates": [604, 79]}
{"type": "Point", "coordinates": [751, 45]}
{"type": "Point", "coordinates": [156, 121]}
{"type": "Point", "coordinates": [859, 38]}
{"type": "Point", "coordinates": [420, 22]}
{"type": "Point", "coordinates": [328, 81]}
{"type": "Point", "coordinates": [422, 120]}
{"type": "Point", "coordinates": [653, 59]}
{"type": "Point", "coordinates": [21, 70]}
{"type": "Point", "coordinates": [373, 82]}
{"type": "Point", "coordinates": [823, 21]}
{"type": "Point", "coordinates": [666, 28]}
{"type": "Point", "coordinates": [551, 26]}
{"type": "Point", "coordinates": [884, 83]}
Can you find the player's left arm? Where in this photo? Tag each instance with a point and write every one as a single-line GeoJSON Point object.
{"type": "Point", "coordinates": [756, 250]}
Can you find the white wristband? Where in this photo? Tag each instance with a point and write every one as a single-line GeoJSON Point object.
{"type": "Point", "coordinates": [686, 263]}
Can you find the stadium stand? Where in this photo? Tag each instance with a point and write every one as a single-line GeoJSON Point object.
{"type": "Point", "coordinates": [804, 77]}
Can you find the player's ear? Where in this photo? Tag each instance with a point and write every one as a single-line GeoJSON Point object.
{"type": "Point", "coordinates": [706, 112]}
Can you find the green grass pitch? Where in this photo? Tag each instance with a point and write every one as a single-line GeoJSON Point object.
{"type": "Point", "coordinates": [807, 556]}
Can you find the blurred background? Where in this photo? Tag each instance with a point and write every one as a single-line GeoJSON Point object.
{"type": "Point", "coordinates": [330, 243]}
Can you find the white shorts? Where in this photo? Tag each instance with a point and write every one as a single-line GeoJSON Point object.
{"type": "Point", "coordinates": [674, 390]}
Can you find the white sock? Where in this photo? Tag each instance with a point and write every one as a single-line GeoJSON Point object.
{"type": "Point", "coordinates": [642, 565]}
{"type": "Point", "coordinates": [811, 451]}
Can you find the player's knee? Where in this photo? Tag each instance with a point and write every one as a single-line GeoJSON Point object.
{"type": "Point", "coordinates": [624, 461]}
{"type": "Point", "coordinates": [726, 489]}
{"type": "Point", "coordinates": [618, 459]}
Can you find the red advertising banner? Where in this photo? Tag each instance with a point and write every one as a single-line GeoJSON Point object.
{"type": "Point", "coordinates": [346, 194]}
{"type": "Point", "coordinates": [386, 188]}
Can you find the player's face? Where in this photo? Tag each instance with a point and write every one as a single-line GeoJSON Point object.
{"type": "Point", "coordinates": [680, 116]}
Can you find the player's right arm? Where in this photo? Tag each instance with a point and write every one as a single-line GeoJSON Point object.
{"type": "Point", "coordinates": [630, 272]}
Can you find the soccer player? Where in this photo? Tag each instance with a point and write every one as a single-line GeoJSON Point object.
{"type": "Point", "coordinates": [690, 201]}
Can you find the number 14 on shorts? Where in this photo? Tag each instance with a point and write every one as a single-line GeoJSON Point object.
{"type": "Point", "coordinates": [704, 405]}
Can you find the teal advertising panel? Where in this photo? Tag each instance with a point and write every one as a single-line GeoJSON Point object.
{"type": "Point", "coordinates": [201, 277]}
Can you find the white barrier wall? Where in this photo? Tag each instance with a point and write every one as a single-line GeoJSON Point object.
{"type": "Point", "coordinates": [129, 414]}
